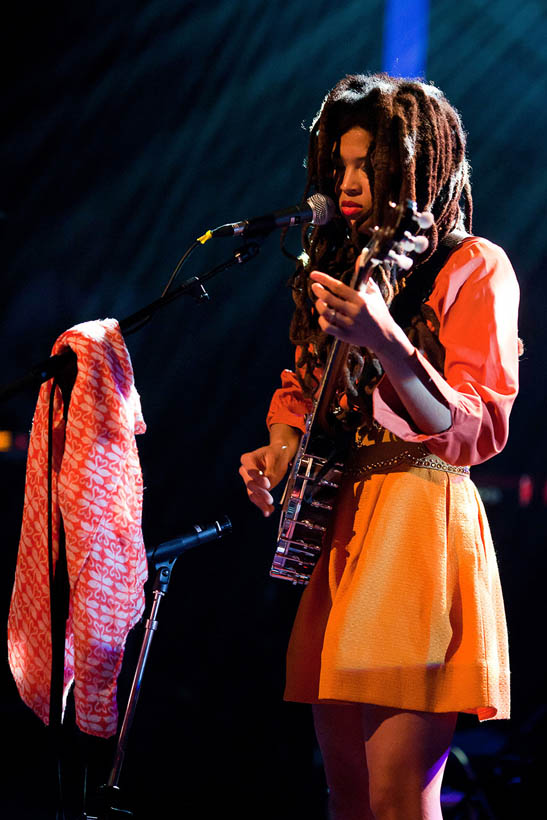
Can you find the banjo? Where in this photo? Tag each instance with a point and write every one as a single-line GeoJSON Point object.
{"type": "Point", "coordinates": [317, 469]}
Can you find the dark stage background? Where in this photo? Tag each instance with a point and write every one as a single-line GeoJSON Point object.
{"type": "Point", "coordinates": [129, 129]}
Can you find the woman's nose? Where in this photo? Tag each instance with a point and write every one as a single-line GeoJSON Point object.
{"type": "Point", "coordinates": [350, 181]}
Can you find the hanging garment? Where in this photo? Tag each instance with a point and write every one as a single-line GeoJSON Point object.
{"type": "Point", "coordinates": [97, 489]}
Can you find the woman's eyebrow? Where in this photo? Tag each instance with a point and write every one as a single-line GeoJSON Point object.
{"type": "Point", "coordinates": [355, 159]}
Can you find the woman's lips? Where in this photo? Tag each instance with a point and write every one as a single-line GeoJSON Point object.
{"type": "Point", "coordinates": [350, 208]}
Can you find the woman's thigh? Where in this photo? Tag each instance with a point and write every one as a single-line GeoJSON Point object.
{"type": "Point", "coordinates": [406, 754]}
{"type": "Point", "coordinates": [339, 731]}
{"type": "Point", "coordinates": [383, 760]}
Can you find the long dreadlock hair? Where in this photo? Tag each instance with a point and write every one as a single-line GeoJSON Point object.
{"type": "Point", "coordinates": [417, 153]}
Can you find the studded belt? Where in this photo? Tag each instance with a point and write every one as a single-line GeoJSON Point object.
{"type": "Point", "coordinates": [389, 455]}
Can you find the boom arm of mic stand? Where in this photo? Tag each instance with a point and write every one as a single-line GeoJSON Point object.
{"type": "Point", "coordinates": [194, 287]}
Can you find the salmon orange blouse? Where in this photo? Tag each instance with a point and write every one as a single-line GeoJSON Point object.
{"type": "Point", "coordinates": [475, 299]}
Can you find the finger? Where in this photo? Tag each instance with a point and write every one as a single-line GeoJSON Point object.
{"type": "Point", "coordinates": [259, 478]}
{"type": "Point", "coordinates": [340, 305]}
{"type": "Point", "coordinates": [333, 318]}
{"type": "Point", "coordinates": [258, 494]}
{"type": "Point", "coordinates": [262, 503]}
{"type": "Point", "coordinates": [333, 285]}
{"type": "Point", "coordinates": [340, 332]}
{"type": "Point", "coordinates": [252, 465]}
{"type": "Point", "coordinates": [256, 477]}
{"type": "Point", "coordinates": [256, 487]}
{"type": "Point", "coordinates": [337, 312]}
{"type": "Point", "coordinates": [259, 488]}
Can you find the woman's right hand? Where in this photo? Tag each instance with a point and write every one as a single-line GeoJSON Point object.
{"type": "Point", "coordinates": [264, 468]}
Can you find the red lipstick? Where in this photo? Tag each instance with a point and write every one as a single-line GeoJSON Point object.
{"type": "Point", "coordinates": [350, 208]}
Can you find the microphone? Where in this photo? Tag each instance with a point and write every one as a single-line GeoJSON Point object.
{"type": "Point", "coordinates": [197, 535]}
{"type": "Point", "coordinates": [319, 210]}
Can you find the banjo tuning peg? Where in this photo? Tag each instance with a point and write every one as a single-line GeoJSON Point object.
{"type": "Point", "coordinates": [421, 244]}
{"type": "Point", "coordinates": [425, 219]}
{"type": "Point", "coordinates": [400, 260]}
{"type": "Point", "coordinates": [418, 244]}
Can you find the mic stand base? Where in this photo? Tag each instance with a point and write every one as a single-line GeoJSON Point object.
{"type": "Point", "coordinates": [109, 794]}
{"type": "Point", "coordinates": [163, 558]}
{"type": "Point", "coordinates": [109, 797]}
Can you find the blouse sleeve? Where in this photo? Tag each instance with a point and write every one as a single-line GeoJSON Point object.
{"type": "Point", "coordinates": [476, 301]}
{"type": "Point", "coordinates": [289, 405]}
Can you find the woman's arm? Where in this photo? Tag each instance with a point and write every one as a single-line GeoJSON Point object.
{"type": "Point", "coordinates": [264, 468]}
{"type": "Point", "coordinates": [362, 318]}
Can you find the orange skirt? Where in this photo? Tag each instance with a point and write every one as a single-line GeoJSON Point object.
{"type": "Point", "coordinates": [404, 609]}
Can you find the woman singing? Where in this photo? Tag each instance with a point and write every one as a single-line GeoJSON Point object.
{"type": "Point", "coordinates": [402, 624]}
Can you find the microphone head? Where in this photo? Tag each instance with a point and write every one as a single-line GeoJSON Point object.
{"type": "Point", "coordinates": [322, 207]}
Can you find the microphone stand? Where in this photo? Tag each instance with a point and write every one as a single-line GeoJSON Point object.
{"type": "Point", "coordinates": [55, 366]}
{"type": "Point", "coordinates": [63, 368]}
{"type": "Point", "coordinates": [163, 558]}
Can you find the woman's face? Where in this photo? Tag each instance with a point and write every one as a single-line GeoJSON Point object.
{"type": "Point", "coordinates": [351, 185]}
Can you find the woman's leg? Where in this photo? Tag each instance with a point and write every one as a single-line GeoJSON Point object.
{"type": "Point", "coordinates": [383, 763]}
{"type": "Point", "coordinates": [339, 732]}
{"type": "Point", "coordinates": [406, 755]}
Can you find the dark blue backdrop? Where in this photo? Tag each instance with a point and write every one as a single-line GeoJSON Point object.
{"type": "Point", "coordinates": [131, 128]}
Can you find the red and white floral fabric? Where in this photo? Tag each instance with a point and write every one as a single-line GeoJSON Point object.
{"type": "Point", "coordinates": [97, 488]}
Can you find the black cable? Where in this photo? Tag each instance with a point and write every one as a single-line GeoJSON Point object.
{"type": "Point", "coordinates": [167, 288]}
{"type": "Point", "coordinates": [179, 265]}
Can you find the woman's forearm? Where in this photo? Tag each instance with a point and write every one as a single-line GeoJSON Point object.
{"type": "Point", "coordinates": [362, 318]}
{"type": "Point", "coordinates": [285, 436]}
{"type": "Point", "coordinates": [412, 384]}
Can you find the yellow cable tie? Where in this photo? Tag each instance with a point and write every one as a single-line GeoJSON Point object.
{"type": "Point", "coordinates": [205, 238]}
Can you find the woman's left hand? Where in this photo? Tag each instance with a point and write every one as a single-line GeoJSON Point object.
{"type": "Point", "coordinates": [359, 317]}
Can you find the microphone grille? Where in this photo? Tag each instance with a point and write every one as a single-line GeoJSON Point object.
{"type": "Point", "coordinates": [322, 208]}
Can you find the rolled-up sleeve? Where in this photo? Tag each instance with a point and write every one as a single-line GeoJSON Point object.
{"type": "Point", "coordinates": [288, 404]}
{"type": "Point", "coordinates": [476, 299]}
